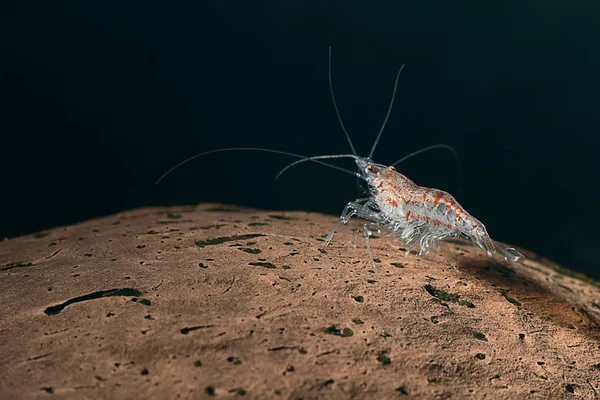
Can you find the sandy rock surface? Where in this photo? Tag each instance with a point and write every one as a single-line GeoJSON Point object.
{"type": "Point", "coordinates": [215, 301]}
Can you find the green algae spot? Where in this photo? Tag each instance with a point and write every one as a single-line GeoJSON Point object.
{"type": "Point", "coordinates": [225, 239]}
{"type": "Point", "coordinates": [202, 265]}
{"type": "Point", "coordinates": [216, 226]}
{"type": "Point", "coordinates": [286, 267]}
{"type": "Point", "coordinates": [347, 332]}
{"type": "Point", "coordinates": [258, 224]}
{"type": "Point", "coordinates": [145, 302]}
{"type": "Point", "coordinates": [512, 301]}
{"type": "Point", "coordinates": [322, 251]}
{"type": "Point", "coordinates": [197, 363]}
{"type": "Point", "coordinates": [384, 359]}
{"type": "Point", "coordinates": [402, 390]}
{"type": "Point", "coordinates": [54, 310]}
{"type": "Point", "coordinates": [398, 265]}
{"type": "Point", "coordinates": [282, 217]}
{"type": "Point", "coordinates": [360, 299]}
{"type": "Point", "coordinates": [249, 250]}
{"type": "Point", "coordinates": [357, 321]}
{"type": "Point", "coordinates": [441, 294]}
{"type": "Point", "coordinates": [334, 330]}
{"type": "Point", "coordinates": [302, 350]}
{"type": "Point", "coordinates": [263, 264]}
{"type": "Point", "coordinates": [435, 320]}
{"type": "Point", "coordinates": [288, 243]}
{"type": "Point", "coordinates": [376, 260]}
{"type": "Point", "coordinates": [234, 360]}
{"type": "Point", "coordinates": [173, 216]}
{"type": "Point", "coordinates": [445, 296]}
{"type": "Point", "coordinates": [479, 336]}
{"type": "Point", "coordinates": [371, 281]}
{"type": "Point", "coordinates": [16, 265]}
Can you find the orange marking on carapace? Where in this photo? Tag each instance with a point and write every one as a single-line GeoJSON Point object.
{"type": "Point", "coordinates": [437, 198]}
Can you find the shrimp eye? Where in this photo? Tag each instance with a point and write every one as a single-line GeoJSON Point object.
{"type": "Point", "coordinates": [372, 169]}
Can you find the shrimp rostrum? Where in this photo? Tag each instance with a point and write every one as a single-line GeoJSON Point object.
{"type": "Point", "coordinates": [422, 217]}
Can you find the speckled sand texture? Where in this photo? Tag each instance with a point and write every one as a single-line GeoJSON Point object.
{"type": "Point", "coordinates": [196, 302]}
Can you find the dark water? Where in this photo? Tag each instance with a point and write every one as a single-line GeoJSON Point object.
{"type": "Point", "coordinates": [99, 99]}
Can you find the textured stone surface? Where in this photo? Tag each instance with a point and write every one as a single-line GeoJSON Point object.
{"type": "Point", "coordinates": [195, 302]}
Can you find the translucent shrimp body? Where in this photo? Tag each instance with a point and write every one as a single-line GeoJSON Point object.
{"type": "Point", "coordinates": [418, 215]}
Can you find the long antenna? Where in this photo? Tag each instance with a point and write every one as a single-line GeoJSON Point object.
{"type": "Point", "coordinates": [325, 157]}
{"type": "Point", "coordinates": [304, 158]}
{"type": "Point", "coordinates": [388, 113]}
{"type": "Point", "coordinates": [337, 112]}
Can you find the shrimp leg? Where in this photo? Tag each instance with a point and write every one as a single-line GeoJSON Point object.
{"type": "Point", "coordinates": [355, 208]}
{"type": "Point", "coordinates": [368, 229]}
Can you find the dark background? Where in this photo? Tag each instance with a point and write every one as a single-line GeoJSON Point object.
{"type": "Point", "coordinates": [98, 99]}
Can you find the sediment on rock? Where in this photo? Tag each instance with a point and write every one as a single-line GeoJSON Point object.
{"type": "Point", "coordinates": [214, 300]}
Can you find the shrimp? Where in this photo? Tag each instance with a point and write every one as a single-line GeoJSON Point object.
{"type": "Point", "coordinates": [420, 216]}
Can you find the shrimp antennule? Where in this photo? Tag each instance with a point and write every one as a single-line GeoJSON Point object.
{"type": "Point", "coordinates": [324, 157]}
